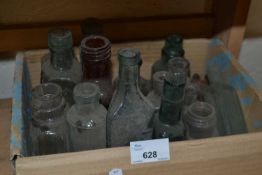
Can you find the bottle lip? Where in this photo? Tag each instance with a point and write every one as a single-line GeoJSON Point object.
{"type": "Point", "coordinates": [200, 114]}
{"type": "Point", "coordinates": [86, 92]}
{"type": "Point", "coordinates": [129, 56]}
{"type": "Point", "coordinates": [102, 43]}
{"type": "Point", "coordinates": [59, 38]}
{"type": "Point", "coordinates": [38, 92]}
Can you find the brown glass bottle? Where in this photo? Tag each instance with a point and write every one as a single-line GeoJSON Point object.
{"type": "Point", "coordinates": [97, 65]}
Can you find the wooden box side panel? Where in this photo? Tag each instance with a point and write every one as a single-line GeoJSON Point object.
{"type": "Point", "coordinates": [235, 155]}
{"type": "Point", "coordinates": [236, 76]}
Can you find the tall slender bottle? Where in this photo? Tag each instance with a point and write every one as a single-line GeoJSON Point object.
{"type": "Point", "coordinates": [60, 66]}
{"type": "Point", "coordinates": [168, 123]}
{"type": "Point", "coordinates": [87, 118]}
{"type": "Point", "coordinates": [97, 65]}
{"type": "Point", "coordinates": [49, 128]}
{"type": "Point", "coordinates": [130, 115]}
{"type": "Point", "coordinates": [173, 48]}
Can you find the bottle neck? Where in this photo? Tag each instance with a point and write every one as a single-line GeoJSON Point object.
{"type": "Point", "coordinates": [61, 58]}
{"type": "Point", "coordinates": [171, 103]}
{"type": "Point", "coordinates": [96, 57]}
{"type": "Point", "coordinates": [128, 76]}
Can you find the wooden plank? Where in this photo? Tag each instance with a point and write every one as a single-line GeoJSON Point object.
{"type": "Point", "coordinates": [234, 155]}
{"type": "Point", "coordinates": [230, 22]}
{"type": "Point", "coordinates": [35, 36]}
{"type": "Point", "coordinates": [5, 123]}
{"type": "Point", "coordinates": [42, 11]}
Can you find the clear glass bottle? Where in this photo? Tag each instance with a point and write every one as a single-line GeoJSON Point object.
{"type": "Point", "coordinates": [60, 65]}
{"type": "Point", "coordinates": [168, 123]}
{"type": "Point", "coordinates": [144, 84]}
{"type": "Point", "coordinates": [230, 117]}
{"type": "Point", "coordinates": [158, 82]}
{"type": "Point", "coordinates": [48, 127]}
{"type": "Point", "coordinates": [130, 115]}
{"type": "Point", "coordinates": [87, 119]}
{"type": "Point", "coordinates": [200, 121]}
{"type": "Point", "coordinates": [97, 65]}
{"type": "Point", "coordinates": [173, 48]}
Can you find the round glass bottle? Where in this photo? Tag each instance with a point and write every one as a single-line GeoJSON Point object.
{"type": "Point", "coordinates": [60, 66]}
{"type": "Point", "coordinates": [200, 121]}
{"type": "Point", "coordinates": [97, 65]}
{"type": "Point", "coordinates": [87, 119]}
{"type": "Point", "coordinates": [173, 48]}
{"type": "Point", "coordinates": [158, 82]}
{"type": "Point", "coordinates": [130, 114]}
{"type": "Point", "coordinates": [49, 128]}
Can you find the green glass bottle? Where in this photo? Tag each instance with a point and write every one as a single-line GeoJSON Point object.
{"type": "Point", "coordinates": [173, 48]}
{"type": "Point", "coordinates": [168, 123]}
{"type": "Point", "coordinates": [60, 65]}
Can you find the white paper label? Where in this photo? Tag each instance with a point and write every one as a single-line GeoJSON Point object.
{"type": "Point", "coordinates": [149, 151]}
{"type": "Point", "coordinates": [116, 171]}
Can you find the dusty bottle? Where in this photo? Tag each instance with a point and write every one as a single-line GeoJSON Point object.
{"type": "Point", "coordinates": [230, 117]}
{"type": "Point", "coordinates": [168, 123]}
{"type": "Point", "coordinates": [158, 82]}
{"type": "Point", "coordinates": [87, 119]}
{"type": "Point", "coordinates": [60, 66]}
{"type": "Point", "coordinates": [144, 84]}
{"type": "Point", "coordinates": [48, 129]}
{"type": "Point", "coordinates": [97, 65]}
{"type": "Point", "coordinates": [130, 114]}
{"type": "Point", "coordinates": [173, 48]}
{"type": "Point", "coordinates": [200, 121]}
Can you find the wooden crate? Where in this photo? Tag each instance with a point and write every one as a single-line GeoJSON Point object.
{"type": "Point", "coordinates": [239, 154]}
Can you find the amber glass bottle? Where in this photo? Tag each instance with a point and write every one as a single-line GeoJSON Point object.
{"type": "Point", "coordinates": [96, 64]}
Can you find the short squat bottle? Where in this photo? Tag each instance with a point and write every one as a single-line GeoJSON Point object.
{"type": "Point", "coordinates": [97, 65]}
{"type": "Point", "coordinates": [200, 121]}
{"type": "Point", "coordinates": [87, 119]}
{"type": "Point", "coordinates": [49, 128]}
{"type": "Point", "coordinates": [60, 66]}
{"type": "Point", "coordinates": [130, 114]}
{"type": "Point", "coordinates": [173, 48]}
{"type": "Point", "coordinates": [158, 82]}
{"type": "Point", "coordinates": [168, 123]}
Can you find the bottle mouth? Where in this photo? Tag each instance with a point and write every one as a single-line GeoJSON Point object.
{"type": "Point", "coordinates": [129, 56]}
{"type": "Point", "coordinates": [201, 115]}
{"type": "Point", "coordinates": [46, 95]}
{"type": "Point", "coordinates": [59, 38]}
{"type": "Point", "coordinates": [96, 48]}
{"type": "Point", "coordinates": [85, 93]}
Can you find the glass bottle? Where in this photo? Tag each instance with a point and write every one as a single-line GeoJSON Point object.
{"type": "Point", "coordinates": [130, 115]}
{"type": "Point", "coordinates": [158, 82]}
{"type": "Point", "coordinates": [144, 84]}
{"type": "Point", "coordinates": [230, 117]}
{"type": "Point", "coordinates": [60, 66]}
{"type": "Point", "coordinates": [87, 119]}
{"type": "Point", "coordinates": [97, 65]}
{"type": "Point", "coordinates": [168, 123]}
{"type": "Point", "coordinates": [173, 48]}
{"type": "Point", "coordinates": [200, 121]}
{"type": "Point", "coordinates": [49, 128]}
